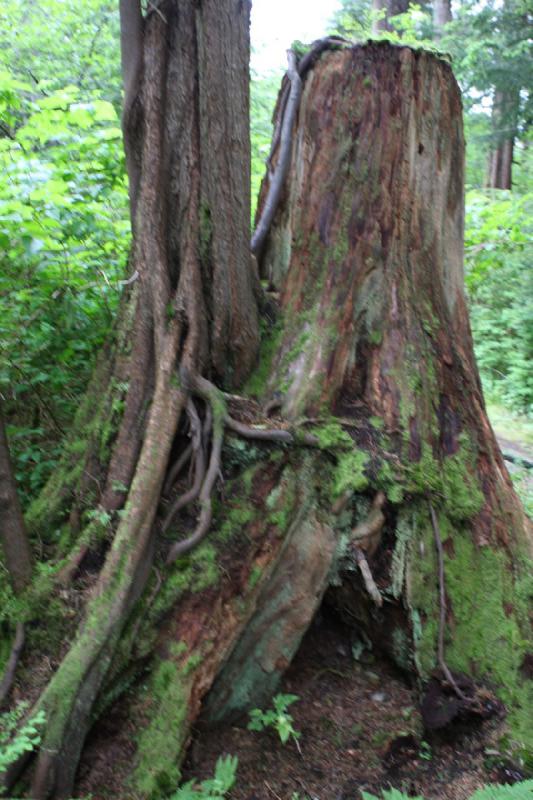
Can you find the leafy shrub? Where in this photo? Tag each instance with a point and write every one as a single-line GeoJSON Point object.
{"type": "Point", "coordinates": [64, 241]}
{"type": "Point", "coordinates": [500, 287]}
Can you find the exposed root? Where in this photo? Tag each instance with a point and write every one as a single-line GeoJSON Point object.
{"type": "Point", "coordinates": [65, 575]}
{"type": "Point", "coordinates": [442, 615]}
{"type": "Point", "coordinates": [208, 392]}
{"type": "Point", "coordinates": [177, 467]}
{"type": "Point", "coordinates": [11, 667]}
{"type": "Point", "coordinates": [218, 418]}
{"type": "Point", "coordinates": [370, 584]}
{"type": "Point", "coordinates": [197, 447]}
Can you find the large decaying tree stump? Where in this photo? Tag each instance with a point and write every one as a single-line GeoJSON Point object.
{"type": "Point", "coordinates": [377, 478]}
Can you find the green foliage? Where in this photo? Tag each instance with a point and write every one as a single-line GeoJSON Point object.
{"type": "Point", "coordinates": [354, 20]}
{"type": "Point", "coordinates": [53, 44]}
{"type": "Point", "coordinates": [519, 791]}
{"type": "Point", "coordinates": [500, 286]}
{"type": "Point", "coordinates": [64, 236]}
{"type": "Point", "coordinates": [15, 741]}
{"type": "Point", "coordinates": [214, 788]}
{"type": "Point", "coordinates": [277, 718]}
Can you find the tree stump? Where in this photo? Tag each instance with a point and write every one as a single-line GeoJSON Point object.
{"type": "Point", "coordinates": [380, 482]}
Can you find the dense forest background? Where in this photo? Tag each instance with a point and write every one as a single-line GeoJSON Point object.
{"type": "Point", "coordinates": [64, 219]}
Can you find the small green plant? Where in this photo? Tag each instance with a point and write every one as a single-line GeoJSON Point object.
{"type": "Point", "coordinates": [425, 752]}
{"type": "Point", "coordinates": [277, 718]}
{"type": "Point", "coordinates": [520, 791]}
{"type": "Point", "coordinates": [214, 788]}
{"type": "Point", "coordinates": [13, 742]}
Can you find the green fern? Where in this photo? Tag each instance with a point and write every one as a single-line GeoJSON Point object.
{"type": "Point", "coordinates": [519, 791]}
{"type": "Point", "coordinates": [15, 741]}
{"type": "Point", "coordinates": [215, 788]}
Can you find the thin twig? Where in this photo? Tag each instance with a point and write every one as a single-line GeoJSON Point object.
{"type": "Point", "coordinates": [442, 615]}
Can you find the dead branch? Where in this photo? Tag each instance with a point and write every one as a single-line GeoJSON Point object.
{"type": "Point", "coordinates": [442, 615]}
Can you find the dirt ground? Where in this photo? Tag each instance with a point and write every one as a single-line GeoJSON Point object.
{"type": "Point", "coordinates": [360, 730]}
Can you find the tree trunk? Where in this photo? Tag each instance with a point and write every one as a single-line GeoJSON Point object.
{"type": "Point", "coordinates": [15, 545]}
{"type": "Point", "coordinates": [191, 313]}
{"type": "Point", "coordinates": [389, 492]}
{"type": "Point", "coordinates": [399, 478]}
{"type": "Point", "coordinates": [504, 117]}
{"type": "Point", "coordinates": [442, 14]}
{"type": "Point", "coordinates": [389, 8]}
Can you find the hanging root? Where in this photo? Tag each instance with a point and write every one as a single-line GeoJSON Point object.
{"type": "Point", "coordinates": [370, 584]}
{"type": "Point", "coordinates": [9, 674]}
{"type": "Point", "coordinates": [442, 616]}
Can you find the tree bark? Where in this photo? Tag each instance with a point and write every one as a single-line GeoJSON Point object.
{"type": "Point", "coordinates": [396, 504]}
{"type": "Point", "coordinates": [192, 311]}
{"type": "Point", "coordinates": [389, 493]}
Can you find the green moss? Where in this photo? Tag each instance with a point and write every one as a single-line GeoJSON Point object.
{"type": "Point", "coordinates": [332, 436]}
{"type": "Point", "coordinates": [254, 576]}
{"type": "Point", "coordinates": [451, 482]}
{"type": "Point", "coordinates": [490, 625]}
{"type": "Point", "coordinates": [486, 635]}
{"type": "Point", "coordinates": [270, 343]}
{"type": "Point", "coordinates": [349, 472]}
{"type": "Point", "coordinates": [280, 502]}
{"type": "Point", "coordinates": [159, 745]}
{"type": "Point", "coordinates": [191, 573]}
{"type": "Point", "coordinates": [236, 519]}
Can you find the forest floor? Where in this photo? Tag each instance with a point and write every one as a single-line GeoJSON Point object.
{"type": "Point", "coordinates": [360, 728]}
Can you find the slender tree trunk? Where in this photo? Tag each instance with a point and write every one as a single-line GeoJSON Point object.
{"type": "Point", "coordinates": [442, 14]}
{"type": "Point", "coordinates": [504, 116]}
{"type": "Point", "coordinates": [389, 8]}
{"type": "Point", "coordinates": [15, 545]}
